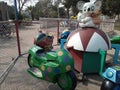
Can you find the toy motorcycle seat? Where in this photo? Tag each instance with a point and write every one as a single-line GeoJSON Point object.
{"type": "Point", "coordinates": [52, 56]}
{"type": "Point", "coordinates": [41, 53]}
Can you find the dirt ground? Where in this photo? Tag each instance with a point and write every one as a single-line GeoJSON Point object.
{"type": "Point", "coordinates": [19, 79]}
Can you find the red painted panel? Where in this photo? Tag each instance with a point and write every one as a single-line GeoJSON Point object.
{"type": "Point", "coordinates": [78, 56]}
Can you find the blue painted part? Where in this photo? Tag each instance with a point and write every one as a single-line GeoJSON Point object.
{"type": "Point", "coordinates": [62, 42]}
{"type": "Point", "coordinates": [110, 74]}
{"type": "Point", "coordinates": [16, 12]}
{"type": "Point", "coordinates": [116, 54]}
{"type": "Point", "coordinates": [113, 74]}
{"type": "Point", "coordinates": [63, 38]}
{"type": "Point", "coordinates": [118, 77]}
{"type": "Point", "coordinates": [65, 34]}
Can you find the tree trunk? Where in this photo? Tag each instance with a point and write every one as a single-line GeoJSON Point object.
{"type": "Point", "coordinates": [118, 16]}
{"type": "Point", "coordinates": [68, 13]}
{"type": "Point", "coordinates": [32, 16]}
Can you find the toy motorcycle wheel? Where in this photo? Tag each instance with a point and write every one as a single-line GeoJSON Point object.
{"type": "Point", "coordinates": [116, 87]}
{"type": "Point", "coordinates": [30, 62]}
{"type": "Point", "coordinates": [67, 81]}
{"type": "Point", "coordinates": [107, 85]}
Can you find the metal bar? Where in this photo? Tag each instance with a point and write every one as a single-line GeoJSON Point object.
{"type": "Point", "coordinates": [55, 19]}
{"type": "Point", "coordinates": [16, 24]}
{"type": "Point", "coordinates": [58, 31]}
{"type": "Point", "coordinates": [7, 70]}
{"type": "Point", "coordinates": [16, 11]}
{"type": "Point", "coordinates": [18, 40]}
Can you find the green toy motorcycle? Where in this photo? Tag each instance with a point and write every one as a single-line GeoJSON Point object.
{"type": "Point", "coordinates": [52, 66]}
{"type": "Point", "coordinates": [115, 40]}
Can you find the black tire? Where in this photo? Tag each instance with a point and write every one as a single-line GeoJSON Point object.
{"type": "Point", "coordinates": [72, 82]}
{"type": "Point", "coordinates": [117, 87]}
{"type": "Point", "coordinates": [29, 61]}
{"type": "Point", "coordinates": [74, 79]}
{"type": "Point", "coordinates": [107, 85]}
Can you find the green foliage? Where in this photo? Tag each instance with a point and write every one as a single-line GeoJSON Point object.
{"type": "Point", "coordinates": [11, 12]}
{"type": "Point", "coordinates": [12, 16]}
{"type": "Point", "coordinates": [67, 3]}
{"type": "Point", "coordinates": [110, 7]}
{"type": "Point", "coordinates": [72, 4]}
{"type": "Point", "coordinates": [20, 16]}
{"type": "Point", "coordinates": [74, 8]}
{"type": "Point", "coordinates": [44, 8]}
{"type": "Point", "coordinates": [62, 13]}
{"type": "Point", "coordinates": [30, 9]}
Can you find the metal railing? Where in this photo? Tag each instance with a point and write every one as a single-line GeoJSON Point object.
{"type": "Point", "coordinates": [6, 28]}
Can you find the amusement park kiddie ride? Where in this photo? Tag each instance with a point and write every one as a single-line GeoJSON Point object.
{"type": "Point", "coordinates": [88, 43]}
{"type": "Point", "coordinates": [112, 74]}
{"type": "Point", "coordinates": [52, 66]}
{"type": "Point", "coordinates": [83, 49]}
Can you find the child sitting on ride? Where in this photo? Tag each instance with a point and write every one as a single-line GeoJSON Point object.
{"type": "Point", "coordinates": [89, 17]}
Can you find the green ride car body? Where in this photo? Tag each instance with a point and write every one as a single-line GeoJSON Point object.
{"type": "Point", "coordinates": [115, 40]}
{"type": "Point", "coordinates": [51, 64]}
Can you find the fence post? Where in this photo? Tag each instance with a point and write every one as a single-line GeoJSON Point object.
{"type": "Point", "coordinates": [58, 31]}
{"type": "Point", "coordinates": [16, 25]}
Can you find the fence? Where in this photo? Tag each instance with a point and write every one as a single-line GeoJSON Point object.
{"type": "Point", "coordinates": [6, 29]}
{"type": "Point", "coordinates": [27, 31]}
{"type": "Point", "coordinates": [57, 25]}
{"type": "Point", "coordinates": [108, 25]}
{"type": "Point", "coordinates": [7, 46]}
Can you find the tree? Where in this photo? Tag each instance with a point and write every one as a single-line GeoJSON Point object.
{"type": "Point", "coordinates": [72, 4]}
{"type": "Point", "coordinates": [74, 8]}
{"type": "Point", "coordinates": [10, 12]}
{"type": "Point", "coordinates": [111, 7]}
{"type": "Point", "coordinates": [67, 4]}
{"type": "Point", "coordinates": [21, 4]}
{"type": "Point", "coordinates": [45, 8]}
{"type": "Point", "coordinates": [30, 9]}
